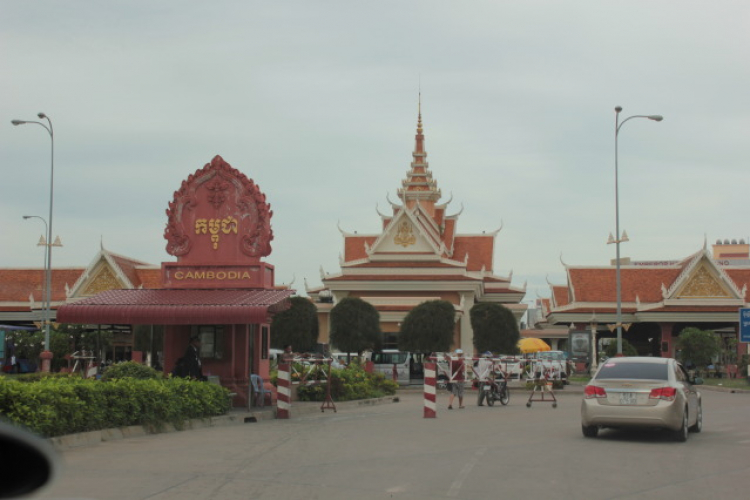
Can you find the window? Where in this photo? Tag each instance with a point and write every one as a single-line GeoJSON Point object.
{"type": "Point", "coordinates": [389, 340]}
{"type": "Point", "coordinates": [264, 342]}
{"type": "Point", "coordinates": [389, 358]}
{"type": "Point", "coordinates": [211, 340]}
{"type": "Point", "coordinates": [640, 371]}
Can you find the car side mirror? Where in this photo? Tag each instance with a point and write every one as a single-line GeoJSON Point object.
{"type": "Point", "coordinates": [30, 462]}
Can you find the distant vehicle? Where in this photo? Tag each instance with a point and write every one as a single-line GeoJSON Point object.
{"type": "Point", "coordinates": [642, 392]}
{"type": "Point", "coordinates": [554, 363]}
{"type": "Point", "coordinates": [387, 360]}
{"type": "Point", "coordinates": [512, 366]}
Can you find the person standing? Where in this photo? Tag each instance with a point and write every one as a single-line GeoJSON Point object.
{"type": "Point", "coordinates": [192, 361]}
{"type": "Point", "coordinates": [457, 370]}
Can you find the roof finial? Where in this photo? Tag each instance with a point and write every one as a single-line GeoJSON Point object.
{"type": "Point", "coordinates": [419, 111]}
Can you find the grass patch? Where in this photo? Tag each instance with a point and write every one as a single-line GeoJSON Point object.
{"type": "Point", "coordinates": [733, 383]}
{"type": "Point", "coordinates": [579, 379]}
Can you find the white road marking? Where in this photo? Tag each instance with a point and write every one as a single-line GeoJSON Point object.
{"type": "Point", "coordinates": [465, 471]}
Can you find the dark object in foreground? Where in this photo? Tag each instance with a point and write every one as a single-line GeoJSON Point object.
{"type": "Point", "coordinates": [29, 462]}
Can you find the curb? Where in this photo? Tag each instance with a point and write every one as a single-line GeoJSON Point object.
{"type": "Point", "coordinates": [234, 417]}
{"type": "Point", "coordinates": [719, 388]}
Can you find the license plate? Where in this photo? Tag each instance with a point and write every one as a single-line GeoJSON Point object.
{"type": "Point", "coordinates": [487, 387]}
{"type": "Point", "coordinates": [628, 398]}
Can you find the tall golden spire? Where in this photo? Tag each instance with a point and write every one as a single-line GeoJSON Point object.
{"type": "Point", "coordinates": [419, 186]}
{"type": "Point", "coordinates": [419, 114]}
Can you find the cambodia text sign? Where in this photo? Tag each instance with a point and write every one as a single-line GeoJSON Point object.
{"type": "Point", "coordinates": [745, 325]}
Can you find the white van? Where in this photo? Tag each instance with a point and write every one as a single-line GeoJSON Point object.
{"type": "Point", "coordinates": [385, 360]}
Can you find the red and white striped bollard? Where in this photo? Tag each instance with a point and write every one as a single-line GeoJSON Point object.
{"type": "Point", "coordinates": [430, 394]}
{"type": "Point", "coordinates": [284, 395]}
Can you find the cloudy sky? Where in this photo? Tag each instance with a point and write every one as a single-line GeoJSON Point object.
{"type": "Point", "coordinates": [316, 101]}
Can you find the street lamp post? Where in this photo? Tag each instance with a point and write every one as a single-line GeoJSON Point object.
{"type": "Point", "coordinates": [47, 354]}
{"type": "Point", "coordinates": [593, 363]}
{"type": "Point", "coordinates": [47, 272]}
{"type": "Point", "coordinates": [621, 237]}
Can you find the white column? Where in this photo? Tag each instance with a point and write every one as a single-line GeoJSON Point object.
{"type": "Point", "coordinates": [467, 333]}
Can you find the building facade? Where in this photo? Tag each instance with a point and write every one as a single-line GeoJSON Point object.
{"type": "Point", "coordinates": [418, 255]}
{"type": "Point", "coordinates": [659, 299]}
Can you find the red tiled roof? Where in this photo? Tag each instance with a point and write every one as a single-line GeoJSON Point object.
{"type": "Point", "coordinates": [479, 248]}
{"type": "Point", "coordinates": [406, 264]}
{"type": "Point", "coordinates": [599, 284]}
{"type": "Point", "coordinates": [702, 309]}
{"type": "Point", "coordinates": [354, 247]}
{"type": "Point", "coordinates": [561, 295]}
{"type": "Point", "coordinates": [17, 284]}
{"type": "Point", "coordinates": [149, 277]}
{"type": "Point", "coordinates": [741, 277]}
{"type": "Point", "coordinates": [176, 307]}
{"type": "Point", "coordinates": [128, 267]}
{"type": "Point", "coordinates": [449, 232]}
{"type": "Point", "coordinates": [401, 277]}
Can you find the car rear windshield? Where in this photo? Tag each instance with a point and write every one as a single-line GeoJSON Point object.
{"type": "Point", "coordinates": [651, 371]}
{"type": "Point", "coordinates": [389, 358]}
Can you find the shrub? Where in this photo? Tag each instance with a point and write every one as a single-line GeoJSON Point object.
{"type": "Point", "coordinates": [54, 406]}
{"type": "Point", "coordinates": [627, 349]}
{"type": "Point", "coordinates": [349, 384]}
{"type": "Point", "coordinates": [131, 369]}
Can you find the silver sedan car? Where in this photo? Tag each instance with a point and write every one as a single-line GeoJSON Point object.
{"type": "Point", "coordinates": [642, 392]}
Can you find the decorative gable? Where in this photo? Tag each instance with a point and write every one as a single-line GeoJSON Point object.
{"type": "Point", "coordinates": [404, 235]}
{"type": "Point", "coordinates": [103, 280]}
{"type": "Point", "coordinates": [703, 279]}
{"type": "Point", "coordinates": [704, 285]}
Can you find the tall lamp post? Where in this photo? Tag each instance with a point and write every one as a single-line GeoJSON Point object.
{"type": "Point", "coordinates": [621, 237]}
{"type": "Point", "coordinates": [47, 354]}
{"type": "Point", "coordinates": [47, 272]}
{"type": "Point", "coordinates": [593, 363]}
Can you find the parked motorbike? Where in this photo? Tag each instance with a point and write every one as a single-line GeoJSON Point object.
{"type": "Point", "coordinates": [495, 388]}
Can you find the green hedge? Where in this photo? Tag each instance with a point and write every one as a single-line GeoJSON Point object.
{"type": "Point", "coordinates": [348, 384]}
{"type": "Point", "coordinates": [54, 406]}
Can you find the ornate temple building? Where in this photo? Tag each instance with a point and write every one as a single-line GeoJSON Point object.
{"type": "Point", "coordinates": [418, 255]}
{"type": "Point", "coordinates": [659, 299]}
{"type": "Point", "coordinates": [22, 290]}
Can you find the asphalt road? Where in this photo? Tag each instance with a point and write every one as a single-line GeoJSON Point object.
{"type": "Point", "coordinates": [391, 451]}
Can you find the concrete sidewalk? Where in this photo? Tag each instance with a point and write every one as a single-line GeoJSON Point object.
{"type": "Point", "coordinates": [238, 416]}
{"type": "Point", "coordinates": [235, 416]}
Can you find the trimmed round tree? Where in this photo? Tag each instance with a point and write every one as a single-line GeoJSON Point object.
{"type": "Point", "coordinates": [495, 329]}
{"type": "Point", "coordinates": [355, 325]}
{"type": "Point", "coordinates": [297, 326]}
{"type": "Point", "coordinates": [428, 327]}
{"type": "Point", "coordinates": [627, 349]}
{"type": "Point", "coordinates": [698, 347]}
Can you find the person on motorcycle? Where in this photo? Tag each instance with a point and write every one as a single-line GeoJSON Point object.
{"type": "Point", "coordinates": [483, 370]}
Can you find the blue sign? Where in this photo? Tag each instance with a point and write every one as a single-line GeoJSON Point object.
{"type": "Point", "coordinates": [745, 325]}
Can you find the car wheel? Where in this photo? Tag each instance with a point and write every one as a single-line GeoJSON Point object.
{"type": "Point", "coordinates": [698, 426]}
{"type": "Point", "coordinates": [589, 431]}
{"type": "Point", "coordinates": [681, 434]}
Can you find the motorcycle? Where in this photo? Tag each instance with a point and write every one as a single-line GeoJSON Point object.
{"type": "Point", "coordinates": [494, 388]}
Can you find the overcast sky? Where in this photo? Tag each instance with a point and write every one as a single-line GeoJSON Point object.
{"type": "Point", "coordinates": [316, 101]}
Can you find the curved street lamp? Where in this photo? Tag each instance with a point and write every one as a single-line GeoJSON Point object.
{"type": "Point", "coordinates": [47, 354]}
{"type": "Point", "coordinates": [621, 237]}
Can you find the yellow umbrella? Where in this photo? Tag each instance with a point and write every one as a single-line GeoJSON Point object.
{"type": "Point", "coordinates": [531, 344]}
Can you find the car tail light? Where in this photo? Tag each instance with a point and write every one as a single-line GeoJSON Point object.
{"type": "Point", "coordinates": [592, 391]}
{"type": "Point", "coordinates": [665, 393]}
